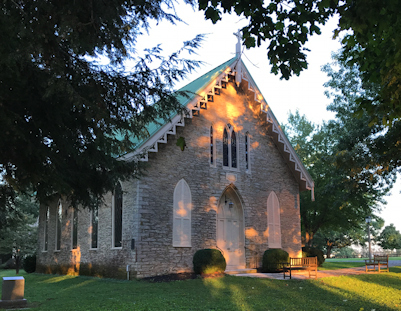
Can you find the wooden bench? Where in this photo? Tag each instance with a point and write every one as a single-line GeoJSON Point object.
{"type": "Point", "coordinates": [379, 261]}
{"type": "Point", "coordinates": [304, 263]}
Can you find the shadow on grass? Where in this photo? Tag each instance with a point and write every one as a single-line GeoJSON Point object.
{"type": "Point", "coordinates": [54, 292]}
{"type": "Point", "coordinates": [395, 269]}
{"type": "Point", "coordinates": [384, 279]}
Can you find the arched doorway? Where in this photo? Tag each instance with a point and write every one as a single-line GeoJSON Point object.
{"type": "Point", "coordinates": [230, 229]}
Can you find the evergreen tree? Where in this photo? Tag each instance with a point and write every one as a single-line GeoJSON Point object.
{"type": "Point", "coordinates": [19, 230]}
{"type": "Point", "coordinates": [64, 117]}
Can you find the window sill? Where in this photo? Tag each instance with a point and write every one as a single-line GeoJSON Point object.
{"type": "Point", "coordinates": [231, 169]}
{"type": "Point", "coordinates": [93, 249]}
{"type": "Point", "coordinates": [116, 248]}
{"type": "Point", "coordinates": [57, 251]}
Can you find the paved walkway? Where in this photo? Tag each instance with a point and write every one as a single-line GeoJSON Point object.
{"type": "Point", "coordinates": [302, 275]}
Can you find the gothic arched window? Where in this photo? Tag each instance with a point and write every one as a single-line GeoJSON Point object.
{"type": "Point", "coordinates": [230, 150]}
{"type": "Point", "coordinates": [182, 206]}
{"type": "Point", "coordinates": [273, 221]}
{"type": "Point", "coordinates": [59, 220]}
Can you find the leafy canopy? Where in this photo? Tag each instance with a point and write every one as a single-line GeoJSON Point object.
{"type": "Point", "coordinates": [370, 30]}
{"type": "Point", "coordinates": [390, 238]}
{"type": "Point", "coordinates": [64, 117]}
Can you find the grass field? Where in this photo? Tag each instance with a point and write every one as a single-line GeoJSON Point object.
{"type": "Point", "coordinates": [358, 292]}
{"type": "Point", "coordinates": [357, 259]}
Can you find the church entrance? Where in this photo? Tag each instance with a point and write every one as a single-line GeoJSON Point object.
{"type": "Point", "coordinates": [230, 230]}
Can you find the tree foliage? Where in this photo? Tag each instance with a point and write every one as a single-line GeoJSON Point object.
{"type": "Point", "coordinates": [64, 117]}
{"type": "Point", "coordinates": [370, 31]}
{"type": "Point", "coordinates": [331, 240]}
{"type": "Point", "coordinates": [344, 194]}
{"type": "Point", "coordinates": [390, 238]}
{"type": "Point", "coordinates": [345, 88]}
{"type": "Point", "coordinates": [18, 234]}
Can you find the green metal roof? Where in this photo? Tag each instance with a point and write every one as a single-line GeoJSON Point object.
{"type": "Point", "coordinates": [194, 87]}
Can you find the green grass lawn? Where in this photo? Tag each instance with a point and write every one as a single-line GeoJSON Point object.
{"type": "Point", "coordinates": [358, 292]}
{"type": "Point", "coordinates": [342, 263]}
{"type": "Point", "coordinates": [329, 265]}
{"type": "Point", "coordinates": [357, 259]}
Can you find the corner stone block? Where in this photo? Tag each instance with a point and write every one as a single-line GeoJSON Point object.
{"type": "Point", "coordinates": [13, 292]}
{"type": "Point", "coordinates": [13, 288]}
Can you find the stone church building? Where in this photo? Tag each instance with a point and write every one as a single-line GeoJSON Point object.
{"type": "Point", "coordinates": [232, 182]}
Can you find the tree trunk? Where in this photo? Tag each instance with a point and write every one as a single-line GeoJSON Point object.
{"type": "Point", "coordinates": [308, 238]}
{"type": "Point", "coordinates": [328, 252]}
{"type": "Point", "coordinates": [17, 263]}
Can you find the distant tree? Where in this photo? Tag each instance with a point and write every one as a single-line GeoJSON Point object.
{"type": "Point", "coordinates": [344, 196]}
{"type": "Point", "coordinates": [390, 238]}
{"type": "Point", "coordinates": [19, 237]}
{"type": "Point", "coordinates": [65, 117]}
{"type": "Point", "coordinates": [331, 240]}
{"type": "Point", "coordinates": [345, 252]}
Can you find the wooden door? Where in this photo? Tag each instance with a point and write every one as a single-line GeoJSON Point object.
{"type": "Point", "coordinates": [229, 233]}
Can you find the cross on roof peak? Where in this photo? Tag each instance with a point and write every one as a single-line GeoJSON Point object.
{"type": "Point", "coordinates": [239, 44]}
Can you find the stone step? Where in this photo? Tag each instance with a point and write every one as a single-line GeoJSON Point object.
{"type": "Point", "coordinates": [240, 271]}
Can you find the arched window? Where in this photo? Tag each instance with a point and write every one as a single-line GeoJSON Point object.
{"type": "Point", "coordinates": [59, 218]}
{"type": "Point", "coordinates": [273, 221]}
{"type": "Point", "coordinates": [74, 228]}
{"type": "Point", "coordinates": [117, 211]}
{"type": "Point", "coordinates": [247, 150]}
{"type": "Point", "coordinates": [95, 226]}
{"type": "Point", "coordinates": [212, 148]}
{"type": "Point", "coordinates": [233, 149]}
{"type": "Point", "coordinates": [46, 229]}
{"type": "Point", "coordinates": [230, 150]}
{"type": "Point", "coordinates": [225, 147]}
{"type": "Point", "coordinates": [182, 206]}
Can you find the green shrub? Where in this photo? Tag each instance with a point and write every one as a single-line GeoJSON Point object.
{"type": "Point", "coordinates": [30, 264]}
{"type": "Point", "coordinates": [273, 259]}
{"type": "Point", "coordinates": [4, 258]}
{"type": "Point", "coordinates": [10, 264]}
{"type": "Point", "coordinates": [209, 261]}
{"type": "Point", "coordinates": [313, 252]}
